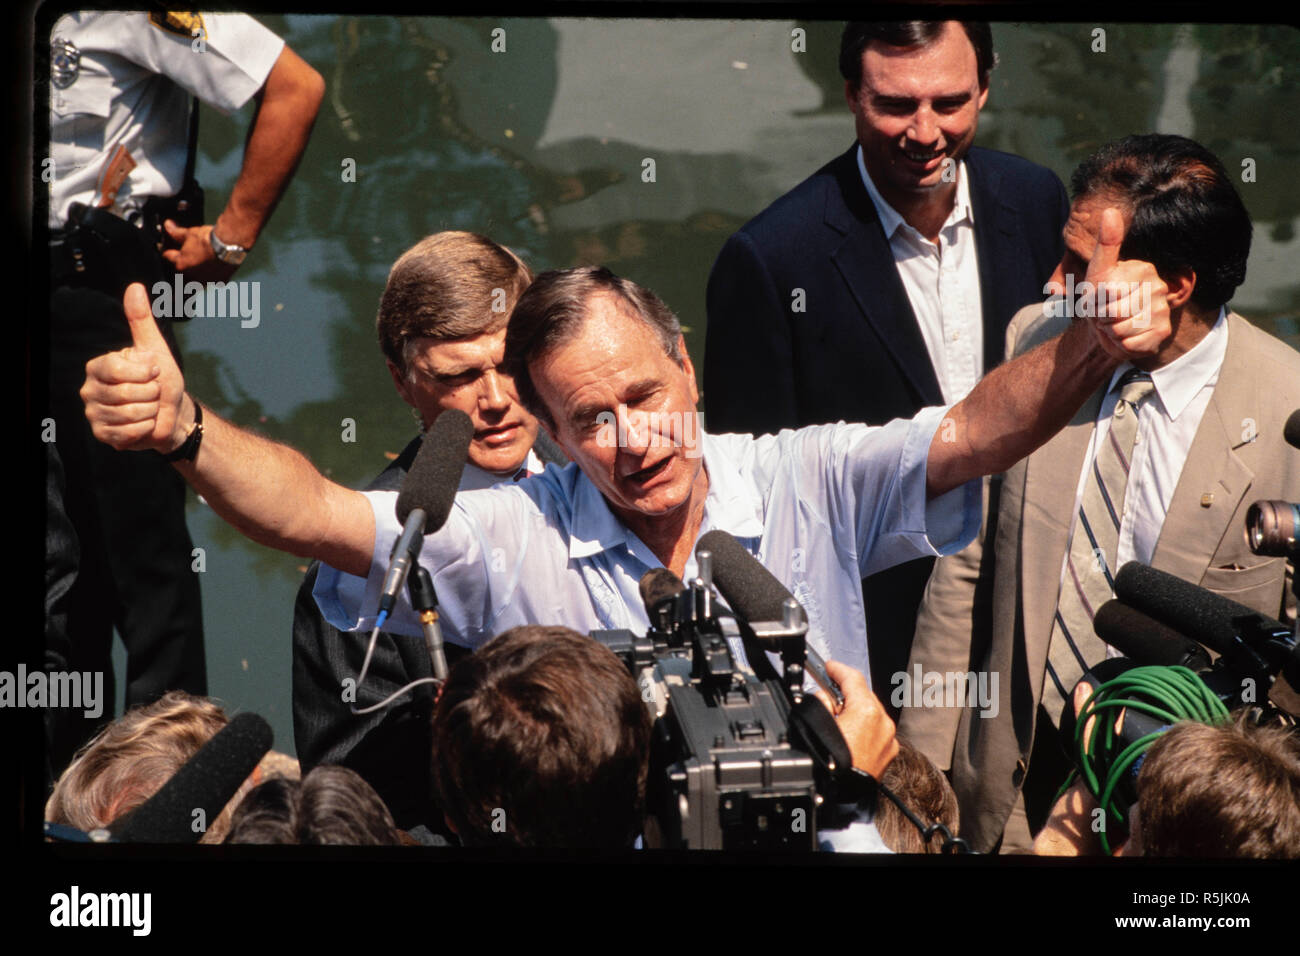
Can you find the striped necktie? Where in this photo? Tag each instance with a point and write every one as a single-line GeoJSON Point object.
{"type": "Point", "coordinates": [1089, 581]}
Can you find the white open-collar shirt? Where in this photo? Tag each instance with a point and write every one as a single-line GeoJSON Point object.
{"type": "Point", "coordinates": [821, 507]}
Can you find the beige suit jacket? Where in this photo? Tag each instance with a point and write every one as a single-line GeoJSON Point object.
{"type": "Point", "coordinates": [991, 608]}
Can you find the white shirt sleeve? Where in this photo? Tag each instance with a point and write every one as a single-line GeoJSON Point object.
{"type": "Point", "coordinates": [878, 488]}
{"type": "Point", "coordinates": [474, 560]}
{"type": "Point", "coordinates": [223, 67]}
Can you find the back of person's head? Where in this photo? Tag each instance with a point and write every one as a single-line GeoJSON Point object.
{"type": "Point", "coordinates": [1227, 791]}
{"type": "Point", "coordinates": [1186, 213]}
{"type": "Point", "coordinates": [131, 758]}
{"type": "Point", "coordinates": [331, 806]}
{"type": "Point", "coordinates": [926, 792]}
{"type": "Point", "coordinates": [541, 739]}
{"type": "Point", "coordinates": [450, 285]}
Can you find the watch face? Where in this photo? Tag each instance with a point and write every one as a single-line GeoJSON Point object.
{"type": "Point", "coordinates": [229, 254]}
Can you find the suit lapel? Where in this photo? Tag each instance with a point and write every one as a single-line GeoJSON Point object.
{"type": "Point", "coordinates": [1218, 470]}
{"type": "Point", "coordinates": [1051, 483]}
{"type": "Point", "coordinates": [995, 230]}
{"type": "Point", "coordinates": [866, 262]}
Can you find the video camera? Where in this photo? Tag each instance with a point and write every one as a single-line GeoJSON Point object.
{"type": "Point", "coordinates": [742, 757]}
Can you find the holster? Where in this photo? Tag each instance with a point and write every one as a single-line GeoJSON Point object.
{"type": "Point", "coordinates": [103, 251]}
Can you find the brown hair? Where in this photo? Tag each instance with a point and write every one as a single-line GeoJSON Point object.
{"type": "Point", "coordinates": [331, 806]}
{"type": "Point", "coordinates": [859, 34]}
{"type": "Point", "coordinates": [450, 285]}
{"type": "Point", "coordinates": [541, 739]}
{"type": "Point", "coordinates": [1186, 213]}
{"type": "Point", "coordinates": [130, 759]}
{"type": "Point", "coordinates": [926, 791]}
{"type": "Point", "coordinates": [553, 309]}
{"type": "Point", "coordinates": [1230, 791]}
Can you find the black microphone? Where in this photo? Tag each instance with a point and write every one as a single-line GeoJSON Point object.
{"type": "Point", "coordinates": [661, 593]}
{"type": "Point", "coordinates": [1191, 610]}
{"type": "Point", "coordinates": [659, 584]}
{"type": "Point", "coordinates": [206, 782]}
{"type": "Point", "coordinates": [426, 496]}
{"type": "Point", "coordinates": [1291, 430]}
{"type": "Point", "coordinates": [1145, 640]}
{"type": "Point", "coordinates": [752, 590]}
{"type": "Point", "coordinates": [1244, 637]}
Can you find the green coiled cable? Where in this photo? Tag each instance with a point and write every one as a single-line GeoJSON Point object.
{"type": "Point", "coordinates": [1171, 694]}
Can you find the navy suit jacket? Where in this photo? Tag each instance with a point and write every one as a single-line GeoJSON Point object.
{"type": "Point", "coordinates": [854, 352]}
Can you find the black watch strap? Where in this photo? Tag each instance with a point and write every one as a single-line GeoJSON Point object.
{"type": "Point", "coordinates": [190, 447]}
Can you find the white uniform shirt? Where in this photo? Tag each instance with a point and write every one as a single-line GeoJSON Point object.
{"type": "Point", "coordinates": [943, 284]}
{"type": "Point", "coordinates": [1167, 425]}
{"type": "Point", "coordinates": [131, 86]}
{"type": "Point", "coordinates": [821, 507]}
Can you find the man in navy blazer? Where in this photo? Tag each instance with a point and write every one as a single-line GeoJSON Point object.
{"type": "Point", "coordinates": [884, 282]}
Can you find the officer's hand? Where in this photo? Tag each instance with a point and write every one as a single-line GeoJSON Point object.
{"type": "Point", "coordinates": [866, 727]}
{"type": "Point", "coordinates": [1131, 314]}
{"type": "Point", "coordinates": [133, 397]}
{"type": "Point", "coordinates": [195, 257]}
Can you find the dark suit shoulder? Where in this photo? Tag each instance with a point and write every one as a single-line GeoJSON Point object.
{"type": "Point", "coordinates": [783, 223]}
{"type": "Point", "coordinates": [982, 161]}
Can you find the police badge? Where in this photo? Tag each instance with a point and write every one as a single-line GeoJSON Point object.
{"type": "Point", "coordinates": [65, 62]}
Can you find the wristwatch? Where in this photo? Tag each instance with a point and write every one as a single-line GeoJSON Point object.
{"type": "Point", "coordinates": [189, 448]}
{"type": "Point", "coordinates": [228, 253]}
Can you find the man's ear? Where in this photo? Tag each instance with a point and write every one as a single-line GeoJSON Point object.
{"type": "Point", "coordinates": [400, 382]}
{"type": "Point", "coordinates": [450, 826]}
{"type": "Point", "coordinates": [688, 368]}
{"type": "Point", "coordinates": [1181, 283]}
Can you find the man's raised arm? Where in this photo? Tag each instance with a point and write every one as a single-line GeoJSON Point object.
{"type": "Point", "coordinates": [135, 400]}
{"type": "Point", "coordinates": [1021, 404]}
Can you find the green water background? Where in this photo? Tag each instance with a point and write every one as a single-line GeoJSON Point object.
{"type": "Point", "coordinates": [542, 147]}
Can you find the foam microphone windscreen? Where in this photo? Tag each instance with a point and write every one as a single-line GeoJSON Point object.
{"type": "Point", "coordinates": [1145, 640]}
{"type": "Point", "coordinates": [1291, 430]}
{"type": "Point", "coordinates": [434, 478]}
{"type": "Point", "coordinates": [1192, 611]}
{"type": "Point", "coordinates": [658, 584]}
{"type": "Point", "coordinates": [206, 782]}
{"type": "Point", "coordinates": [749, 588]}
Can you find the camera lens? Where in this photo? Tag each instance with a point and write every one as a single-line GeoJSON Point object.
{"type": "Point", "coordinates": [1272, 528]}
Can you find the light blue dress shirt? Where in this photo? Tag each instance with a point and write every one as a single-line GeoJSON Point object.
{"type": "Point", "coordinates": [822, 507]}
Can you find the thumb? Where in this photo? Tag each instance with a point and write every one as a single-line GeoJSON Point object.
{"type": "Point", "coordinates": [1110, 236]}
{"type": "Point", "coordinates": [139, 316]}
{"type": "Point", "coordinates": [173, 230]}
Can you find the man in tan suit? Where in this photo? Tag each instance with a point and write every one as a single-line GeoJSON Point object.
{"type": "Point", "coordinates": [1158, 467]}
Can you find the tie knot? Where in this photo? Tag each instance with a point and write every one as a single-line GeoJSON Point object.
{"type": "Point", "coordinates": [1134, 386]}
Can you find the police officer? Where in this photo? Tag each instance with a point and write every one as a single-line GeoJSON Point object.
{"type": "Point", "coordinates": [124, 207]}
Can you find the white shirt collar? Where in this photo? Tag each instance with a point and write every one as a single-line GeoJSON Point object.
{"type": "Point", "coordinates": [889, 216]}
{"type": "Point", "coordinates": [474, 478]}
{"type": "Point", "coordinates": [733, 503]}
{"type": "Point", "coordinates": [1177, 383]}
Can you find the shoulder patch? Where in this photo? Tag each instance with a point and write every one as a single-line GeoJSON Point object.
{"type": "Point", "coordinates": [179, 24]}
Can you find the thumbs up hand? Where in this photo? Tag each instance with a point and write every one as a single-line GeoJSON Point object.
{"type": "Point", "coordinates": [1131, 314]}
{"type": "Point", "coordinates": [134, 397]}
